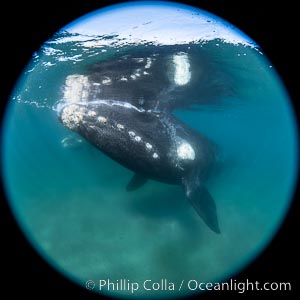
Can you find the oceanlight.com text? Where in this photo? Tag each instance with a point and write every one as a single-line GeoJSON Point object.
{"type": "Point", "coordinates": [164, 284]}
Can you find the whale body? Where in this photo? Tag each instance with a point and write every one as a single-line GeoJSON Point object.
{"type": "Point", "coordinates": [124, 105]}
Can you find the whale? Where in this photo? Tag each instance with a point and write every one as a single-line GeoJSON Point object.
{"type": "Point", "coordinates": [124, 107]}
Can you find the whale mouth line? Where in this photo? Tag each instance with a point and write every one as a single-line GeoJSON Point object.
{"type": "Point", "coordinates": [116, 103]}
{"type": "Point", "coordinates": [71, 114]}
{"type": "Point", "coordinates": [61, 105]}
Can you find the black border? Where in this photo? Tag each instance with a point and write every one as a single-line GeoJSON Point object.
{"type": "Point", "coordinates": [273, 26]}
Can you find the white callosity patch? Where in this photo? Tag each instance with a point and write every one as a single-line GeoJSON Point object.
{"type": "Point", "coordinates": [102, 120]}
{"type": "Point", "coordinates": [138, 138]}
{"type": "Point", "coordinates": [123, 78]}
{"type": "Point", "coordinates": [131, 133]}
{"type": "Point", "coordinates": [120, 126]}
{"type": "Point", "coordinates": [138, 59]}
{"type": "Point", "coordinates": [72, 115]}
{"type": "Point", "coordinates": [155, 155]}
{"type": "Point", "coordinates": [185, 151]}
{"type": "Point", "coordinates": [148, 63]}
{"type": "Point", "coordinates": [76, 88]}
{"type": "Point", "coordinates": [148, 146]}
{"type": "Point", "coordinates": [138, 73]}
{"type": "Point", "coordinates": [106, 81]}
{"type": "Point", "coordinates": [182, 73]}
{"type": "Point", "coordinates": [91, 113]}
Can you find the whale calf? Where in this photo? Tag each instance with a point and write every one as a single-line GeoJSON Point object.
{"type": "Point", "coordinates": [123, 106]}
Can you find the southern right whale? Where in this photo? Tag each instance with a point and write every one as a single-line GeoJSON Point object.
{"type": "Point", "coordinates": [124, 105]}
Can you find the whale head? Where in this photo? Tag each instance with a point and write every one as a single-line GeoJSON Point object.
{"type": "Point", "coordinates": [112, 126]}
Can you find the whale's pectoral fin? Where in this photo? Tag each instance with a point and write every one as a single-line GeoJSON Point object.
{"type": "Point", "coordinates": [136, 182]}
{"type": "Point", "coordinates": [204, 204]}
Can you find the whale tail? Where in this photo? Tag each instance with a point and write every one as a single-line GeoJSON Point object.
{"type": "Point", "coordinates": [204, 204]}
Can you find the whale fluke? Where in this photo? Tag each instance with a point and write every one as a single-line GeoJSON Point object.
{"type": "Point", "coordinates": [203, 203]}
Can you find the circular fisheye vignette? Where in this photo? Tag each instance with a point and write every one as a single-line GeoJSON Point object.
{"type": "Point", "coordinates": [185, 151]}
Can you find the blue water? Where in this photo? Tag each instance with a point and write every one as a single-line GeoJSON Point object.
{"type": "Point", "coordinates": [72, 204]}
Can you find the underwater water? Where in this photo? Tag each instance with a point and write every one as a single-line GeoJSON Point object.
{"type": "Point", "coordinates": [71, 200]}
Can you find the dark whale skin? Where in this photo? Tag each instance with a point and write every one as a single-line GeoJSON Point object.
{"type": "Point", "coordinates": [155, 145]}
{"type": "Point", "coordinates": [123, 106]}
{"type": "Point", "coordinates": [161, 130]}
